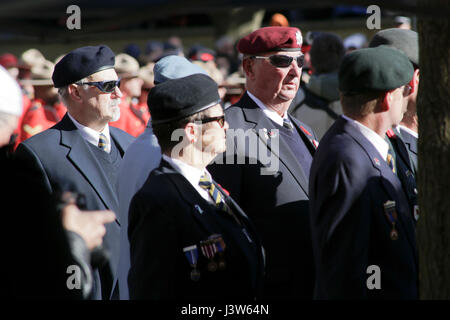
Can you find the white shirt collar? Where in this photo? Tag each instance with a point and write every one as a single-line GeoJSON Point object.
{"type": "Point", "coordinates": [92, 136]}
{"type": "Point", "coordinates": [408, 130]}
{"type": "Point", "coordinates": [192, 174]}
{"type": "Point", "coordinates": [271, 114]}
{"type": "Point", "coordinates": [378, 142]}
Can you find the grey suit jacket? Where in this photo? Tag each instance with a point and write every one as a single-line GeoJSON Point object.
{"type": "Point", "coordinates": [66, 162]}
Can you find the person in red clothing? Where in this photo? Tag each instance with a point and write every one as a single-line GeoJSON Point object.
{"type": "Point", "coordinates": [133, 116]}
{"type": "Point", "coordinates": [46, 109]}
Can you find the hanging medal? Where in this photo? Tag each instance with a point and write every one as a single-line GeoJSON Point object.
{"type": "Point", "coordinates": [220, 247]}
{"type": "Point", "coordinates": [391, 214]}
{"type": "Point", "coordinates": [209, 251]}
{"type": "Point", "coordinates": [191, 253]}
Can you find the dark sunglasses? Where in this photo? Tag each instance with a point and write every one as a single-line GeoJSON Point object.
{"type": "Point", "coordinates": [220, 120]}
{"type": "Point", "coordinates": [282, 61]}
{"type": "Point", "coordinates": [104, 86]}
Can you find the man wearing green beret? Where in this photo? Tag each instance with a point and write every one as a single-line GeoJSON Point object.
{"type": "Point", "coordinates": [402, 139]}
{"type": "Point", "coordinates": [362, 227]}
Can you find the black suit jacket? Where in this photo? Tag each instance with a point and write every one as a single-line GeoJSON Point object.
{"type": "Point", "coordinates": [166, 215]}
{"type": "Point", "coordinates": [270, 185]}
{"type": "Point", "coordinates": [349, 185]}
{"type": "Point", "coordinates": [405, 169]}
{"type": "Point", "coordinates": [65, 161]}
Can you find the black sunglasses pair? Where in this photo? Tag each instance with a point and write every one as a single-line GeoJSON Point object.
{"type": "Point", "coordinates": [220, 120]}
{"type": "Point", "coordinates": [104, 86]}
{"type": "Point", "coordinates": [282, 61]}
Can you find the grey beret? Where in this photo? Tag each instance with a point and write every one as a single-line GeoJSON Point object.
{"type": "Point", "coordinates": [404, 40]}
{"type": "Point", "coordinates": [174, 67]}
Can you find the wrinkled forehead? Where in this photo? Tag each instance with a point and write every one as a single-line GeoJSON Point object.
{"type": "Point", "coordinates": [104, 75]}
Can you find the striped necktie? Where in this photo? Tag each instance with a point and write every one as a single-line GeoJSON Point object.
{"type": "Point", "coordinates": [206, 183]}
{"type": "Point", "coordinates": [216, 195]}
{"type": "Point", "coordinates": [102, 142]}
{"type": "Point", "coordinates": [390, 161]}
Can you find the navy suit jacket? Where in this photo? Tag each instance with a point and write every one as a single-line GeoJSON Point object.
{"type": "Point", "coordinates": [66, 161]}
{"type": "Point", "coordinates": [270, 185]}
{"type": "Point", "coordinates": [166, 215]}
{"type": "Point", "coordinates": [411, 144]}
{"type": "Point", "coordinates": [349, 184]}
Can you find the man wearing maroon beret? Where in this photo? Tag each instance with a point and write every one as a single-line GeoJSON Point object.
{"type": "Point", "coordinates": [266, 167]}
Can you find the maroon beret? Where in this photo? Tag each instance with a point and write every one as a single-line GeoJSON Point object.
{"type": "Point", "coordinates": [271, 39]}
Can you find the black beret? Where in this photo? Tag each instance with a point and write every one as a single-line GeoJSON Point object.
{"type": "Point", "coordinates": [179, 98]}
{"type": "Point", "coordinates": [271, 39]}
{"type": "Point", "coordinates": [82, 62]}
{"type": "Point", "coordinates": [374, 69]}
{"type": "Point", "coordinates": [404, 40]}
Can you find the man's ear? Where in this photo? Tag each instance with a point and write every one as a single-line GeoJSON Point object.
{"type": "Point", "coordinates": [386, 101]}
{"type": "Point", "coordinates": [74, 92]}
{"type": "Point", "coordinates": [415, 81]}
{"type": "Point", "coordinates": [191, 132]}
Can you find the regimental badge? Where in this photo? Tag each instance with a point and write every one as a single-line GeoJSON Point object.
{"type": "Point", "coordinates": [209, 251]}
{"type": "Point", "coordinates": [220, 247]}
{"type": "Point", "coordinates": [299, 38]}
{"type": "Point", "coordinates": [191, 253]}
{"type": "Point", "coordinates": [391, 214]}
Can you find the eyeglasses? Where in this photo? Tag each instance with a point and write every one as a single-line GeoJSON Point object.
{"type": "Point", "coordinates": [282, 61]}
{"type": "Point", "coordinates": [407, 90]}
{"type": "Point", "coordinates": [104, 86]}
{"type": "Point", "coordinates": [220, 120]}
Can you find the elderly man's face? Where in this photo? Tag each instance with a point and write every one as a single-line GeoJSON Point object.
{"type": "Point", "coordinates": [273, 85]}
{"type": "Point", "coordinates": [102, 106]}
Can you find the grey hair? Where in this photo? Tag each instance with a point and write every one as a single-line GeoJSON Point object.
{"type": "Point", "coordinates": [64, 91]}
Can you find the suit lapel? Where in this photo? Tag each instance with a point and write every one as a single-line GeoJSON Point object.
{"type": "Point", "coordinates": [389, 180]}
{"type": "Point", "coordinates": [87, 164]}
{"type": "Point", "coordinates": [263, 128]}
{"type": "Point", "coordinates": [201, 210]}
{"type": "Point", "coordinates": [400, 146]}
{"type": "Point", "coordinates": [410, 141]}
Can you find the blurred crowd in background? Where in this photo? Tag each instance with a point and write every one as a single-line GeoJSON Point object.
{"type": "Point", "coordinates": [134, 66]}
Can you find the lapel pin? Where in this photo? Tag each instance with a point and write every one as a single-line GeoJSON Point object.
{"type": "Point", "coordinates": [377, 162]}
{"type": "Point", "coordinates": [198, 209]}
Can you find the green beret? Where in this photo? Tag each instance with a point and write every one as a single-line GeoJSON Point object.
{"type": "Point", "coordinates": [374, 69]}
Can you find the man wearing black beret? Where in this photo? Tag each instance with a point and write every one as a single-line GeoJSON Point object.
{"type": "Point", "coordinates": [81, 153]}
{"type": "Point", "coordinates": [188, 238]}
{"type": "Point", "coordinates": [266, 167]}
{"type": "Point", "coordinates": [362, 227]}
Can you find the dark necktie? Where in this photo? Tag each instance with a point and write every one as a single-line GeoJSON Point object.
{"type": "Point", "coordinates": [287, 124]}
